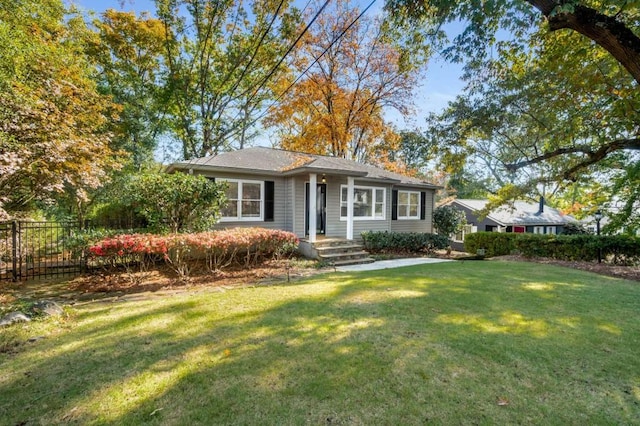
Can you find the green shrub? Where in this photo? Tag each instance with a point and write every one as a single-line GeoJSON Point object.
{"type": "Point", "coordinates": [403, 242]}
{"type": "Point", "coordinates": [619, 249]}
{"type": "Point", "coordinates": [493, 243]}
{"type": "Point", "coordinates": [448, 219]}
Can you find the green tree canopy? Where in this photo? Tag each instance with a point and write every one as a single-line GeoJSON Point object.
{"type": "Point", "coordinates": [552, 100]}
{"type": "Point", "coordinates": [53, 137]}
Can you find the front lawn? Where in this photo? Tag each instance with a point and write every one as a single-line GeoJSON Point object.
{"type": "Point", "coordinates": [453, 343]}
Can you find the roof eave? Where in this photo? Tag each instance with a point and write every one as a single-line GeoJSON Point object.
{"type": "Point", "coordinates": [210, 168]}
{"type": "Point", "coordinates": [318, 170]}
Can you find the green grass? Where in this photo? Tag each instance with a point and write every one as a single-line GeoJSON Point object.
{"type": "Point", "coordinates": [451, 343]}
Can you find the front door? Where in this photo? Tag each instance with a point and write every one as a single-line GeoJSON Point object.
{"type": "Point", "coordinates": [321, 209]}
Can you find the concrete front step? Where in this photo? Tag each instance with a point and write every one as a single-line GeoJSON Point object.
{"type": "Point", "coordinates": [340, 252]}
{"type": "Point", "coordinates": [331, 242]}
{"type": "Point", "coordinates": [347, 255]}
{"type": "Point", "coordinates": [345, 248]}
{"type": "Point", "coordinates": [353, 262]}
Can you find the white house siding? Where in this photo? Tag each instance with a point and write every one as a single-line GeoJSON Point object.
{"type": "Point", "coordinates": [279, 214]}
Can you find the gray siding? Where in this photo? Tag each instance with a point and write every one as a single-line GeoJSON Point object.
{"type": "Point", "coordinates": [412, 225]}
{"type": "Point", "coordinates": [290, 202]}
{"type": "Point", "coordinates": [298, 184]}
{"type": "Point", "coordinates": [280, 215]}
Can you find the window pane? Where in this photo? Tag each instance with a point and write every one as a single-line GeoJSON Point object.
{"type": "Point", "coordinates": [379, 212]}
{"type": "Point", "coordinates": [251, 209]}
{"type": "Point", "coordinates": [402, 211]}
{"type": "Point", "coordinates": [362, 196]}
{"type": "Point", "coordinates": [232, 191]}
{"type": "Point", "coordinates": [343, 211]}
{"type": "Point", "coordinates": [251, 191]}
{"type": "Point", "coordinates": [362, 202]}
{"type": "Point", "coordinates": [379, 196]}
{"type": "Point", "coordinates": [414, 198]}
{"type": "Point", "coordinates": [403, 197]}
{"type": "Point", "coordinates": [230, 210]}
{"type": "Point", "coordinates": [343, 195]}
{"type": "Point", "coordinates": [413, 211]}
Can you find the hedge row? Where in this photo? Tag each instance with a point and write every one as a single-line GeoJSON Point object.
{"type": "Point", "coordinates": [617, 249]}
{"type": "Point", "coordinates": [218, 249]}
{"type": "Point", "coordinates": [399, 242]}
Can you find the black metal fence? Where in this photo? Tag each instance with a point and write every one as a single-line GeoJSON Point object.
{"type": "Point", "coordinates": [30, 249]}
{"type": "Point", "coordinates": [38, 249]}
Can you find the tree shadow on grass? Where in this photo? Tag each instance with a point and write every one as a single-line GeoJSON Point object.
{"type": "Point", "coordinates": [425, 343]}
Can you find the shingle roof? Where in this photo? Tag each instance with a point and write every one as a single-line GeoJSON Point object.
{"type": "Point", "coordinates": [519, 213]}
{"type": "Point", "coordinates": [272, 161]}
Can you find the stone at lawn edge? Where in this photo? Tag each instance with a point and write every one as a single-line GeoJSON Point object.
{"type": "Point", "coordinates": [13, 317]}
{"type": "Point", "coordinates": [47, 307]}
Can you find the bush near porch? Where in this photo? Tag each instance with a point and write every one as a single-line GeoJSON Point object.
{"type": "Point", "coordinates": [218, 249]}
{"type": "Point", "coordinates": [402, 242]}
{"type": "Point", "coordinates": [618, 249]}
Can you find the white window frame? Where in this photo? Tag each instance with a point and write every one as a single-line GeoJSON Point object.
{"type": "Point", "coordinates": [459, 236]}
{"type": "Point", "coordinates": [538, 229]}
{"type": "Point", "coordinates": [374, 189]}
{"type": "Point", "coordinates": [408, 216]}
{"type": "Point", "coordinates": [553, 230]}
{"type": "Point", "coordinates": [238, 217]}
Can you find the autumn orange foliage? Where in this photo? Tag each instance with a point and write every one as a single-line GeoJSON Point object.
{"type": "Point", "coordinates": [337, 109]}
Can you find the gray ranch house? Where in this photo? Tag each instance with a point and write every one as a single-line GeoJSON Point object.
{"type": "Point", "coordinates": [519, 217]}
{"type": "Point", "coordinates": [319, 198]}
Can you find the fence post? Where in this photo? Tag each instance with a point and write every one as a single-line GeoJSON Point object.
{"type": "Point", "coordinates": [14, 249]}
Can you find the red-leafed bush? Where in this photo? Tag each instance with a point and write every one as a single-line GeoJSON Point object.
{"type": "Point", "coordinates": [242, 246]}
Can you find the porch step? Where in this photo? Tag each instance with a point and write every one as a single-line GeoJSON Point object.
{"type": "Point", "coordinates": [333, 242]}
{"type": "Point", "coordinates": [353, 262]}
{"type": "Point", "coordinates": [333, 249]}
{"type": "Point", "coordinates": [345, 256]}
{"type": "Point", "coordinates": [341, 252]}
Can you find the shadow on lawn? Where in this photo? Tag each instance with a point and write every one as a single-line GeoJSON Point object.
{"type": "Point", "coordinates": [435, 343]}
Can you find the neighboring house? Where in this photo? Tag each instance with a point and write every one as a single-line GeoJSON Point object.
{"type": "Point", "coordinates": [519, 216]}
{"type": "Point", "coordinates": [313, 195]}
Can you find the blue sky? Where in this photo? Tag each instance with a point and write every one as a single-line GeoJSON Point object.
{"type": "Point", "coordinates": [440, 83]}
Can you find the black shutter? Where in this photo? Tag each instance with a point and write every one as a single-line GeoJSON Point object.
{"type": "Point", "coordinates": [269, 195]}
{"type": "Point", "coordinates": [423, 205]}
{"type": "Point", "coordinates": [394, 204]}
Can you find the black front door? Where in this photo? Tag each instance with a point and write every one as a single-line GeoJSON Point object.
{"type": "Point", "coordinates": [321, 209]}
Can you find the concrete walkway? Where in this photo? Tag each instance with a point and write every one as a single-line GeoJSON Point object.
{"type": "Point", "coordinates": [393, 263]}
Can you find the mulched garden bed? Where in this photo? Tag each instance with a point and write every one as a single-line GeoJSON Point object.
{"type": "Point", "coordinates": [164, 278]}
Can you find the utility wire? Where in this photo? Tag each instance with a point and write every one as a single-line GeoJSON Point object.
{"type": "Point", "coordinates": [334, 41]}
{"type": "Point", "coordinates": [255, 52]}
{"type": "Point", "coordinates": [293, 45]}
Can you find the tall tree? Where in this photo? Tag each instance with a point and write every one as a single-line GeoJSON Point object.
{"type": "Point", "coordinates": [544, 137]}
{"type": "Point", "coordinates": [52, 119]}
{"type": "Point", "coordinates": [557, 107]}
{"type": "Point", "coordinates": [222, 58]}
{"type": "Point", "coordinates": [611, 25]}
{"type": "Point", "coordinates": [352, 72]}
{"type": "Point", "coordinates": [128, 51]}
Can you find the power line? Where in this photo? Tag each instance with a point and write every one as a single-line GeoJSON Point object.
{"type": "Point", "coordinates": [344, 31]}
{"type": "Point", "coordinates": [334, 41]}
{"type": "Point", "coordinates": [255, 52]}
{"type": "Point", "coordinates": [293, 45]}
